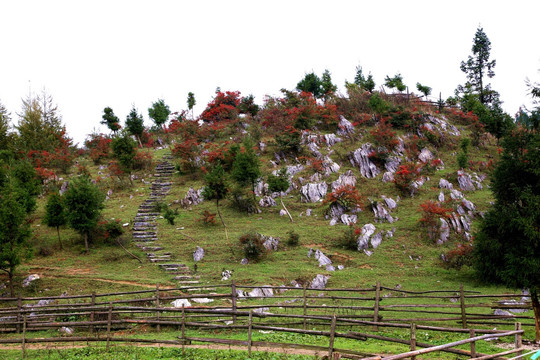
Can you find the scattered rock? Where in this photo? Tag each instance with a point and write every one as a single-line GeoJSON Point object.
{"type": "Point", "coordinates": [330, 268]}
{"type": "Point", "coordinates": [441, 197]}
{"type": "Point", "coordinates": [244, 261]}
{"type": "Point", "coordinates": [308, 212]}
{"type": "Point", "coordinates": [360, 159]}
{"type": "Point", "coordinates": [226, 274]}
{"type": "Point", "coordinates": [30, 279]}
{"type": "Point", "coordinates": [500, 312]}
{"type": "Point", "coordinates": [323, 259]}
{"type": "Point", "coordinates": [267, 201]}
{"type": "Point", "coordinates": [392, 163]}
{"type": "Point", "coordinates": [388, 177]}
{"type": "Point", "coordinates": [282, 212]}
{"type": "Point", "coordinates": [340, 267]}
{"type": "Point", "coordinates": [270, 243]}
{"type": "Point", "coordinates": [313, 192]}
{"type": "Point", "coordinates": [445, 184]}
{"type": "Point", "coordinates": [202, 300]}
{"type": "Point", "coordinates": [348, 219]}
{"type": "Point", "coordinates": [63, 188]}
{"type": "Point", "coordinates": [193, 197]}
{"type": "Point", "coordinates": [179, 302]}
{"type": "Point", "coordinates": [363, 239]}
{"type": "Point", "coordinates": [465, 181]}
{"type": "Point", "coordinates": [376, 240]}
{"type": "Point", "coordinates": [344, 179]}
{"type": "Point", "coordinates": [319, 282]}
{"type": "Point", "coordinates": [66, 331]}
{"type": "Point", "coordinates": [425, 155]}
{"type": "Point", "coordinates": [263, 310]}
{"type": "Point", "coordinates": [198, 254]}
{"type": "Point", "coordinates": [444, 231]}
{"type": "Point", "coordinates": [345, 127]}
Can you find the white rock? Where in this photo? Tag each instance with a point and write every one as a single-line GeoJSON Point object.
{"type": "Point", "coordinates": [202, 300]}
{"type": "Point", "coordinates": [179, 302]}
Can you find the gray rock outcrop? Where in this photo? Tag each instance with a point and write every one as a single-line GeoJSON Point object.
{"type": "Point", "coordinates": [313, 192]}
{"type": "Point", "coordinates": [360, 159]}
{"type": "Point", "coordinates": [198, 254]}
{"type": "Point", "coordinates": [319, 282]}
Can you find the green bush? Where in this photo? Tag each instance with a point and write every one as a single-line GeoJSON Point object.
{"type": "Point", "coordinates": [294, 238]}
{"type": "Point", "coordinates": [252, 245]}
{"type": "Point", "coordinates": [348, 239]}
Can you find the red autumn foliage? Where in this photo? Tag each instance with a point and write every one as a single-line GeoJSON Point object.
{"type": "Point", "coordinates": [432, 211]}
{"type": "Point", "coordinates": [347, 196]}
{"type": "Point", "coordinates": [222, 107]}
{"type": "Point", "coordinates": [187, 152]}
{"type": "Point", "coordinates": [384, 136]}
{"type": "Point", "coordinates": [99, 147]}
{"type": "Point", "coordinates": [460, 256]}
{"type": "Point", "coordinates": [405, 175]}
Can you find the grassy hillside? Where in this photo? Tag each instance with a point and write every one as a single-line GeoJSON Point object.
{"type": "Point", "coordinates": [408, 258]}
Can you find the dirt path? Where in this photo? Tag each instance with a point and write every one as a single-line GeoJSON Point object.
{"type": "Point", "coordinates": [206, 346]}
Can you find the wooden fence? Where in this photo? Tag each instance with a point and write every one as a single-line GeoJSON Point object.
{"type": "Point", "coordinates": [358, 314]}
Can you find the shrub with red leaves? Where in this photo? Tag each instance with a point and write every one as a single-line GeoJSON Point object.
{"type": "Point", "coordinates": [347, 196]}
{"type": "Point", "coordinates": [222, 107]}
{"type": "Point", "coordinates": [99, 147]}
{"type": "Point", "coordinates": [405, 176]}
{"type": "Point", "coordinates": [461, 256]}
{"type": "Point", "coordinates": [432, 211]}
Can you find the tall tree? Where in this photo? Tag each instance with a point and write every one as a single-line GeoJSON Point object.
{"type": "Point", "coordinates": [4, 127]}
{"type": "Point", "coordinates": [479, 68]}
{"type": "Point", "coordinates": [14, 232]}
{"type": "Point", "coordinates": [55, 214]}
{"type": "Point", "coordinates": [311, 83]}
{"type": "Point", "coordinates": [124, 150]}
{"type": "Point", "coordinates": [507, 246]}
{"type": "Point", "coordinates": [426, 90]}
{"type": "Point", "coordinates": [246, 168]}
{"type": "Point", "coordinates": [191, 102]}
{"type": "Point", "coordinates": [84, 202]}
{"type": "Point", "coordinates": [110, 120]}
{"type": "Point", "coordinates": [216, 188]}
{"type": "Point", "coordinates": [395, 82]}
{"type": "Point", "coordinates": [159, 112]}
{"type": "Point", "coordinates": [327, 87]}
{"type": "Point", "coordinates": [39, 125]}
{"type": "Point", "coordinates": [364, 83]}
{"type": "Point", "coordinates": [135, 124]}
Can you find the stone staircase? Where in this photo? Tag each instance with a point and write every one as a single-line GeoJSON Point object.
{"type": "Point", "coordinates": [145, 232]}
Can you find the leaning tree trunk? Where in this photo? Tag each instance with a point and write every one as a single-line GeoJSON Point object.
{"type": "Point", "coordinates": [11, 288]}
{"type": "Point", "coordinates": [536, 307]}
{"type": "Point", "coordinates": [221, 218]}
{"type": "Point", "coordinates": [284, 208]}
{"type": "Point", "coordinates": [59, 240]}
{"type": "Point", "coordinates": [86, 242]}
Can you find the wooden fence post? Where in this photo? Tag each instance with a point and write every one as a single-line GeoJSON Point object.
{"type": "Point", "coordinates": [24, 337]}
{"type": "Point", "coordinates": [472, 334]}
{"type": "Point", "coordinates": [250, 324]}
{"type": "Point", "coordinates": [518, 340]}
{"type": "Point", "coordinates": [19, 309]}
{"type": "Point", "coordinates": [92, 314]}
{"type": "Point", "coordinates": [463, 308]}
{"type": "Point", "coordinates": [109, 319]}
{"type": "Point", "coordinates": [440, 102]}
{"type": "Point", "coordinates": [233, 298]}
{"type": "Point", "coordinates": [305, 307]}
{"type": "Point", "coordinates": [332, 335]}
{"type": "Point", "coordinates": [157, 306]}
{"type": "Point", "coordinates": [183, 329]}
{"type": "Point", "coordinates": [413, 340]}
{"type": "Point", "coordinates": [376, 305]}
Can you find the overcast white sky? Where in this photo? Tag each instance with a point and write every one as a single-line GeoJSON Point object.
{"type": "Point", "coordinates": [93, 54]}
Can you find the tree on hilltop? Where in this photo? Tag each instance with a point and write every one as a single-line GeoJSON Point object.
{"type": "Point", "coordinates": [191, 102]}
{"type": "Point", "coordinates": [110, 120]}
{"type": "Point", "coordinates": [367, 84]}
{"type": "Point", "coordinates": [479, 68]}
{"type": "Point", "coordinates": [159, 112]}
{"type": "Point", "coordinates": [135, 124]}
{"type": "Point", "coordinates": [311, 83]}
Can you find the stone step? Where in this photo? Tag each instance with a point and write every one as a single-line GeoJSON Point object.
{"type": "Point", "coordinates": [200, 289]}
{"type": "Point", "coordinates": [158, 255]}
{"type": "Point", "coordinates": [186, 277]}
{"type": "Point", "coordinates": [149, 248]}
{"type": "Point", "coordinates": [189, 282]}
{"type": "Point", "coordinates": [176, 266]}
{"type": "Point", "coordinates": [143, 218]}
{"type": "Point", "coordinates": [144, 232]}
{"type": "Point", "coordinates": [144, 228]}
{"type": "Point", "coordinates": [158, 260]}
{"type": "Point", "coordinates": [145, 240]}
{"type": "Point", "coordinates": [147, 213]}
